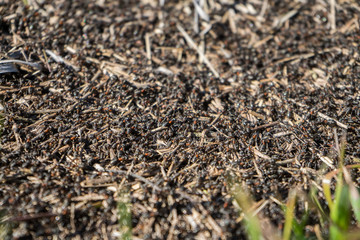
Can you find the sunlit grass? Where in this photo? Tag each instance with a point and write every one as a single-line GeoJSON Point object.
{"type": "Point", "coordinates": [248, 212]}
{"type": "Point", "coordinates": [252, 223]}
{"type": "Point", "coordinates": [124, 216]}
{"type": "Point", "coordinates": [343, 205]}
{"type": "Point", "coordinates": [338, 219]}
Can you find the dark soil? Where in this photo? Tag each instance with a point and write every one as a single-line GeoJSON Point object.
{"type": "Point", "coordinates": [121, 101]}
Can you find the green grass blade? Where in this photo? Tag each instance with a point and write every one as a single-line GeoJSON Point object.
{"type": "Point", "coordinates": [354, 195]}
{"type": "Point", "coordinates": [327, 192]}
{"type": "Point", "coordinates": [254, 230]}
{"type": "Point", "coordinates": [336, 234]}
{"type": "Point", "coordinates": [252, 223]}
{"type": "Point", "coordinates": [355, 203]}
{"type": "Point", "coordinates": [315, 202]}
{"type": "Point", "coordinates": [289, 215]}
{"type": "Point", "coordinates": [341, 212]}
{"type": "Point", "coordinates": [124, 216]}
{"type": "Point", "coordinates": [353, 166]}
{"type": "Point", "coordinates": [299, 228]}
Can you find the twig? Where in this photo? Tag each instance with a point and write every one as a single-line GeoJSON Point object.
{"type": "Point", "coordinates": [261, 155]}
{"type": "Point", "coordinates": [144, 180]}
{"type": "Point", "coordinates": [59, 59]}
{"type": "Point", "coordinates": [32, 217]}
{"type": "Point", "coordinates": [332, 119]}
{"type": "Point", "coordinates": [34, 65]}
{"type": "Point", "coordinates": [148, 46]}
{"type": "Point", "coordinates": [322, 115]}
{"type": "Point", "coordinates": [263, 10]}
{"type": "Point", "coordinates": [295, 57]}
{"type": "Point", "coordinates": [327, 161]}
{"type": "Point", "coordinates": [201, 12]}
{"type": "Point", "coordinates": [280, 21]}
{"type": "Point", "coordinates": [333, 15]}
{"type": "Point", "coordinates": [194, 46]}
{"type": "Point", "coordinates": [265, 126]}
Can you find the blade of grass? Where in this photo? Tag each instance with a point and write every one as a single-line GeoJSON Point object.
{"type": "Point", "coordinates": [340, 213]}
{"type": "Point", "coordinates": [289, 215]}
{"type": "Point", "coordinates": [124, 216]}
{"type": "Point", "coordinates": [354, 195]}
{"type": "Point", "coordinates": [252, 223]}
{"type": "Point", "coordinates": [314, 199]}
{"type": "Point", "coordinates": [353, 166]}
{"type": "Point", "coordinates": [193, 45]}
{"type": "Point", "coordinates": [299, 228]}
{"type": "Point", "coordinates": [326, 188]}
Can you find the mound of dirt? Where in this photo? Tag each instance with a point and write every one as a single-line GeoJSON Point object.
{"type": "Point", "coordinates": [154, 106]}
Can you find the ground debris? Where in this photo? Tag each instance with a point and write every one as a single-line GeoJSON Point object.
{"type": "Point", "coordinates": [161, 100]}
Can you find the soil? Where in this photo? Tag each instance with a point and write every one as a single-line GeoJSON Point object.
{"type": "Point", "coordinates": [160, 107]}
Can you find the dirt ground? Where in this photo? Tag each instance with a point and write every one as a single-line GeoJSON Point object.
{"type": "Point", "coordinates": [155, 105]}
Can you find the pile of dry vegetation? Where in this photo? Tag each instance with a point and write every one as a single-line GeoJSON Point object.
{"type": "Point", "coordinates": [155, 105]}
